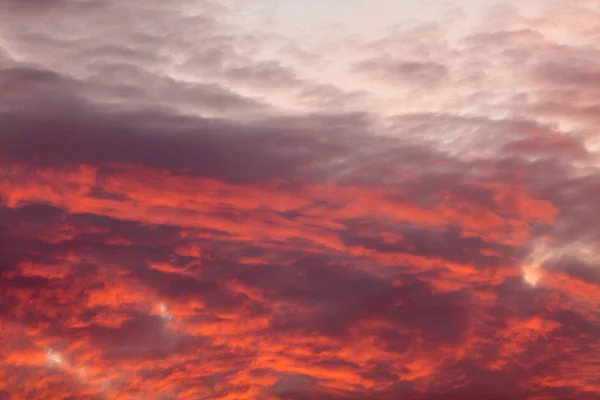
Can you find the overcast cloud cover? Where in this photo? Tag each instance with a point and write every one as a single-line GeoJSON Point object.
{"type": "Point", "coordinates": [299, 200]}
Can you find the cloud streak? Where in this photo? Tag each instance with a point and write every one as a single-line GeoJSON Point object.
{"type": "Point", "coordinates": [193, 209]}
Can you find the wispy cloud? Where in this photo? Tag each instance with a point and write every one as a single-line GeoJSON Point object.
{"type": "Point", "coordinates": [192, 206]}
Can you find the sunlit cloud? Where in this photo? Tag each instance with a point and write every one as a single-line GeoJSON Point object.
{"type": "Point", "coordinates": [54, 358]}
{"type": "Point", "coordinates": [269, 200]}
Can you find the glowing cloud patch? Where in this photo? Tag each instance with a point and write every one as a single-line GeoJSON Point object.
{"type": "Point", "coordinates": [243, 200]}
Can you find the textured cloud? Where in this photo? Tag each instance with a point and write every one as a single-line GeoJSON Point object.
{"type": "Point", "coordinates": [194, 208]}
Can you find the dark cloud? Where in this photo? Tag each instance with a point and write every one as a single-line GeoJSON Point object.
{"type": "Point", "coordinates": [389, 70]}
{"type": "Point", "coordinates": [265, 74]}
{"type": "Point", "coordinates": [75, 131]}
{"type": "Point", "coordinates": [183, 216]}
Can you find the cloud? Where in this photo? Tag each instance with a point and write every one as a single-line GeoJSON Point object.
{"type": "Point", "coordinates": [389, 71]}
{"type": "Point", "coordinates": [190, 209]}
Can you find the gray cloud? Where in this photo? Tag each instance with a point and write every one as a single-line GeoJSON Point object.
{"type": "Point", "coordinates": [169, 222]}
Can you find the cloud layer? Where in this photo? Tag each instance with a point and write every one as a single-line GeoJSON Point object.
{"type": "Point", "coordinates": [193, 209]}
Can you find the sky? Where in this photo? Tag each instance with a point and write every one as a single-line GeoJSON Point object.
{"type": "Point", "coordinates": [299, 200]}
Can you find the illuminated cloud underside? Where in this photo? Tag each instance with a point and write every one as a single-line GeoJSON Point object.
{"type": "Point", "coordinates": [193, 206]}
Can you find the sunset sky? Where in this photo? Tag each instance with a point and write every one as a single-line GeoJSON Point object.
{"type": "Point", "coordinates": [299, 200]}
